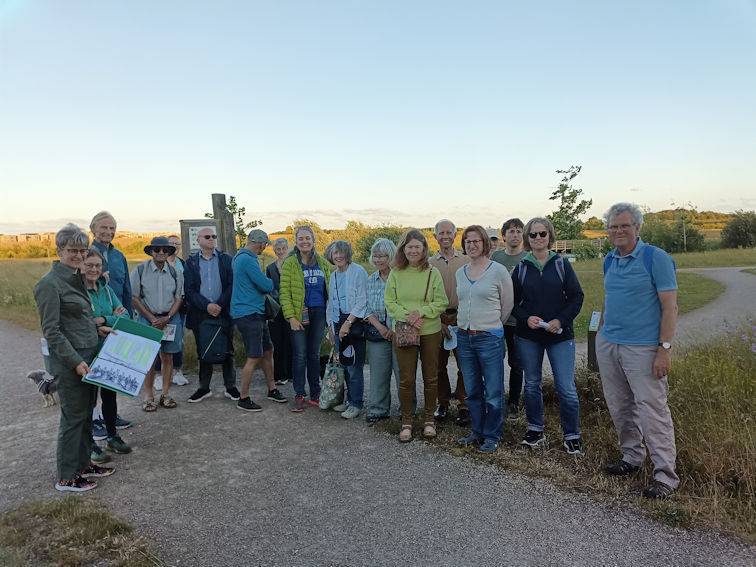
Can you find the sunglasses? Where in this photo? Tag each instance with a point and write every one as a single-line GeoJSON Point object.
{"type": "Point", "coordinates": [76, 251]}
{"type": "Point", "coordinates": [209, 236]}
{"type": "Point", "coordinates": [542, 234]}
{"type": "Point", "coordinates": [163, 250]}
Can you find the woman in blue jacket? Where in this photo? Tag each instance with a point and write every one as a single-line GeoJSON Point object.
{"type": "Point", "coordinates": [547, 298]}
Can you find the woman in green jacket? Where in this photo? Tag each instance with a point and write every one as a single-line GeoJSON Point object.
{"type": "Point", "coordinates": [106, 308]}
{"type": "Point", "coordinates": [304, 294]}
{"type": "Point", "coordinates": [65, 314]}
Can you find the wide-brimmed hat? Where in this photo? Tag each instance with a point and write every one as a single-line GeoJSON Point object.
{"type": "Point", "coordinates": [159, 242]}
{"type": "Point", "coordinates": [258, 235]}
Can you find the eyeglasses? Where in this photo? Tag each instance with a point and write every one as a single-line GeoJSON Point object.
{"type": "Point", "coordinates": [76, 251]}
{"type": "Point", "coordinates": [90, 266]}
{"type": "Point", "coordinates": [475, 242]}
{"type": "Point", "coordinates": [618, 227]}
{"type": "Point", "coordinates": [542, 234]}
{"type": "Point", "coordinates": [209, 236]}
{"type": "Point", "coordinates": [157, 249]}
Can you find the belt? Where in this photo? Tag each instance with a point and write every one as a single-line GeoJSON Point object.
{"type": "Point", "coordinates": [161, 314]}
{"type": "Point", "coordinates": [469, 331]}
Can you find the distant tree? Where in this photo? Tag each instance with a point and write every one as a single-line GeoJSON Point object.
{"type": "Point", "coordinates": [241, 225]}
{"type": "Point", "coordinates": [594, 223]}
{"type": "Point", "coordinates": [566, 219]}
{"type": "Point", "coordinates": [365, 243]}
{"type": "Point", "coordinates": [673, 237]}
{"type": "Point", "coordinates": [740, 231]}
{"type": "Point", "coordinates": [322, 238]}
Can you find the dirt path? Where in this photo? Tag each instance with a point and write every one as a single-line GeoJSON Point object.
{"type": "Point", "coordinates": [210, 485]}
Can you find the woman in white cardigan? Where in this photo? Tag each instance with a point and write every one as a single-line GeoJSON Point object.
{"type": "Point", "coordinates": [347, 303]}
{"type": "Point", "coordinates": [485, 296]}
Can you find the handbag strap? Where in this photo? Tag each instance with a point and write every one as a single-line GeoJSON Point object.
{"type": "Point", "coordinates": [427, 285]}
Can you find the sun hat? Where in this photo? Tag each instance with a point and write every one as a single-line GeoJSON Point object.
{"type": "Point", "coordinates": [159, 242]}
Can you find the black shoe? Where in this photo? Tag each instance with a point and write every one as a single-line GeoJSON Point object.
{"type": "Point", "coordinates": [533, 438]}
{"type": "Point", "coordinates": [232, 394]}
{"type": "Point", "coordinates": [658, 489]}
{"type": "Point", "coordinates": [373, 417]}
{"type": "Point", "coordinates": [463, 418]}
{"type": "Point", "coordinates": [441, 412]}
{"type": "Point", "coordinates": [247, 404]}
{"type": "Point", "coordinates": [574, 446]}
{"type": "Point", "coordinates": [513, 412]}
{"type": "Point", "coordinates": [621, 468]}
{"type": "Point", "coordinates": [199, 395]}
{"type": "Point", "coordinates": [276, 396]}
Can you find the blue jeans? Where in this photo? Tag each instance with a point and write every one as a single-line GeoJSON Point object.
{"type": "Point", "coordinates": [382, 363]}
{"type": "Point", "coordinates": [354, 375]}
{"type": "Point", "coordinates": [305, 356]}
{"type": "Point", "coordinates": [562, 359]}
{"type": "Point", "coordinates": [482, 355]}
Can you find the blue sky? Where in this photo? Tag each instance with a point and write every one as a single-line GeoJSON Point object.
{"type": "Point", "coordinates": [387, 111]}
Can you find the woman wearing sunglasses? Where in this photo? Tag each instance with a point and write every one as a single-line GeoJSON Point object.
{"type": "Point", "coordinates": [547, 298]}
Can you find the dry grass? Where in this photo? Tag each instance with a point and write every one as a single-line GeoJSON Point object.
{"type": "Point", "coordinates": [713, 404]}
{"type": "Point", "coordinates": [70, 531]}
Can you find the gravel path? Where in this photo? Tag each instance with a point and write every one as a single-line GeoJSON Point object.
{"type": "Point", "coordinates": [210, 485]}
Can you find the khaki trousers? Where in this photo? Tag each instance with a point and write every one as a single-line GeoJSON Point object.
{"type": "Point", "coordinates": [637, 403]}
{"type": "Point", "coordinates": [406, 357]}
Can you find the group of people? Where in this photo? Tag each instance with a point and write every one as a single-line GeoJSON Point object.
{"type": "Point", "coordinates": [481, 304]}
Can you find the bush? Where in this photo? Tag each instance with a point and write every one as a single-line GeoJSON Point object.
{"type": "Point", "coordinates": [740, 231]}
{"type": "Point", "coordinates": [678, 237]}
{"type": "Point", "coordinates": [585, 251]}
{"type": "Point", "coordinates": [363, 245]}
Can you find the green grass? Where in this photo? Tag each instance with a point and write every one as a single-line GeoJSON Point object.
{"type": "Point", "coordinates": [749, 271]}
{"type": "Point", "coordinates": [713, 403]}
{"type": "Point", "coordinates": [70, 531]}
{"type": "Point", "coordinates": [722, 258]}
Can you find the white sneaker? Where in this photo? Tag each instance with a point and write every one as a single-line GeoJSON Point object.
{"type": "Point", "coordinates": [351, 412]}
{"type": "Point", "coordinates": [179, 379]}
{"type": "Point", "coordinates": [341, 407]}
{"type": "Point", "coordinates": [158, 382]}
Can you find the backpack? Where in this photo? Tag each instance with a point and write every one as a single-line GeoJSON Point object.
{"type": "Point", "coordinates": [648, 261]}
{"type": "Point", "coordinates": [558, 263]}
{"type": "Point", "coordinates": [140, 271]}
{"type": "Point", "coordinates": [213, 346]}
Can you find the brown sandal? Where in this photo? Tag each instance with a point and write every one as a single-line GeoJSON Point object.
{"type": "Point", "coordinates": [405, 435]}
{"type": "Point", "coordinates": [149, 406]}
{"type": "Point", "coordinates": [167, 402]}
{"type": "Point", "coordinates": [429, 430]}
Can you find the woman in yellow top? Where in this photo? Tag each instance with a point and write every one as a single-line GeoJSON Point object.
{"type": "Point", "coordinates": [415, 295]}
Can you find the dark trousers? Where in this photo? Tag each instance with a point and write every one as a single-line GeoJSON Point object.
{"type": "Point", "coordinates": [515, 367]}
{"type": "Point", "coordinates": [229, 369]}
{"type": "Point", "coordinates": [279, 335]}
{"type": "Point", "coordinates": [406, 358]}
{"type": "Point", "coordinates": [109, 410]}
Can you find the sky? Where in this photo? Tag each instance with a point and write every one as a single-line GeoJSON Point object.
{"type": "Point", "coordinates": [389, 111]}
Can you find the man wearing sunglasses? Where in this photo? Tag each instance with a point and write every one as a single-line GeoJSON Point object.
{"type": "Point", "coordinates": [208, 282]}
{"type": "Point", "coordinates": [157, 288]}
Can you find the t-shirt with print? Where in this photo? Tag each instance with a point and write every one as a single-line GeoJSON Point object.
{"type": "Point", "coordinates": [314, 280]}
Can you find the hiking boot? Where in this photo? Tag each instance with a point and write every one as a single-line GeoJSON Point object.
{"type": "Point", "coordinates": [470, 440]}
{"type": "Point", "coordinates": [658, 489]}
{"type": "Point", "coordinates": [315, 400]}
{"type": "Point", "coordinates": [513, 412]}
{"type": "Point", "coordinates": [351, 412]}
{"type": "Point", "coordinates": [232, 394]}
{"type": "Point", "coordinates": [179, 379]}
{"type": "Point", "coordinates": [533, 438]}
{"type": "Point", "coordinates": [463, 418]}
{"type": "Point", "coordinates": [299, 404]}
{"type": "Point", "coordinates": [247, 404]}
{"type": "Point", "coordinates": [122, 423]}
{"type": "Point", "coordinates": [98, 430]}
{"type": "Point", "coordinates": [276, 396]}
{"type": "Point", "coordinates": [96, 471]}
{"type": "Point", "coordinates": [621, 468]}
{"type": "Point", "coordinates": [373, 417]}
{"type": "Point", "coordinates": [488, 446]}
{"type": "Point", "coordinates": [441, 412]}
{"type": "Point", "coordinates": [77, 484]}
{"type": "Point", "coordinates": [573, 446]}
{"type": "Point", "coordinates": [118, 445]}
{"type": "Point", "coordinates": [98, 456]}
{"type": "Point", "coordinates": [200, 395]}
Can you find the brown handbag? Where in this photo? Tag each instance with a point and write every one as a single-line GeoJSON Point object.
{"type": "Point", "coordinates": [406, 335]}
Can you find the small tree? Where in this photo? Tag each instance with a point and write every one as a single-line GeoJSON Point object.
{"type": "Point", "coordinates": [240, 225]}
{"type": "Point", "coordinates": [740, 231]}
{"type": "Point", "coordinates": [594, 223]}
{"type": "Point", "coordinates": [566, 219]}
{"type": "Point", "coordinates": [365, 243]}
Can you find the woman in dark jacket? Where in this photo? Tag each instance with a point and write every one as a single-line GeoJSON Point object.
{"type": "Point", "coordinates": [279, 327]}
{"type": "Point", "coordinates": [547, 298]}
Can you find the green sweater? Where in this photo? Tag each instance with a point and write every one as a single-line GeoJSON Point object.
{"type": "Point", "coordinates": [65, 314]}
{"type": "Point", "coordinates": [404, 293]}
{"type": "Point", "coordinates": [293, 286]}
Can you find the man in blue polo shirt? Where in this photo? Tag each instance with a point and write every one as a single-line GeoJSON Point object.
{"type": "Point", "coordinates": [633, 349]}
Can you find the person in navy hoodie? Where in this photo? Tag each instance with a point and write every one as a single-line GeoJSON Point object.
{"type": "Point", "coordinates": [208, 281]}
{"type": "Point", "coordinates": [547, 298]}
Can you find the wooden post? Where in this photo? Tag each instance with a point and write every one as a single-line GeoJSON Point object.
{"type": "Point", "coordinates": [592, 361]}
{"type": "Point", "coordinates": [226, 228]}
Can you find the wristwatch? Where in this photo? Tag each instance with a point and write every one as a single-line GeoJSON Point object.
{"type": "Point", "coordinates": [666, 346]}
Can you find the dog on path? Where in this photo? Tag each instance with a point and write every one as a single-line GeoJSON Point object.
{"type": "Point", "coordinates": [45, 386]}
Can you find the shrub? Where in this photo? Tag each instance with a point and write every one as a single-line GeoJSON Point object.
{"type": "Point", "coordinates": [585, 251]}
{"type": "Point", "coordinates": [740, 231]}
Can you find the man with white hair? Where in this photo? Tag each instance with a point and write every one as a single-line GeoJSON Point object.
{"type": "Point", "coordinates": [633, 348]}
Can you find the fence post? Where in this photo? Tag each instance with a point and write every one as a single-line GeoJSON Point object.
{"type": "Point", "coordinates": [226, 228]}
